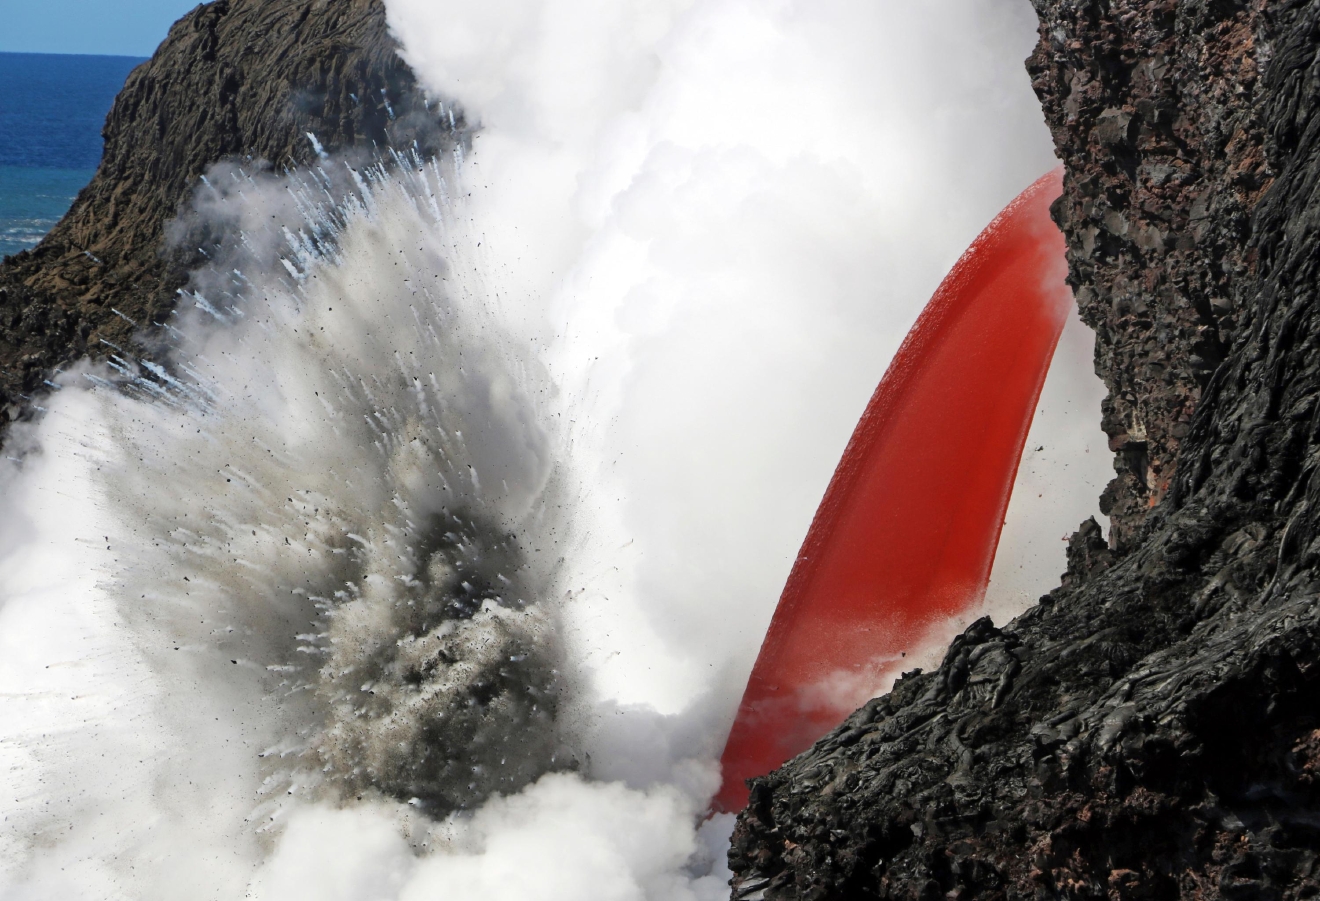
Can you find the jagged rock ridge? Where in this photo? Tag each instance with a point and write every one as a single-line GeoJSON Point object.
{"type": "Point", "coordinates": [1152, 728]}
{"type": "Point", "coordinates": [243, 80]}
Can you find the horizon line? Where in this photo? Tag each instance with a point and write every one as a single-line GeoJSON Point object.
{"type": "Point", "coordinates": [56, 53]}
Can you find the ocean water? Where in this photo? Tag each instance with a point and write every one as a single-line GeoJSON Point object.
{"type": "Point", "coordinates": [52, 107]}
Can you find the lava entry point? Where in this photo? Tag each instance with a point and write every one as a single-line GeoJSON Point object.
{"type": "Point", "coordinates": [905, 536]}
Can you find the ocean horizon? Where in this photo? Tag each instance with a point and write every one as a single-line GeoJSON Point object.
{"type": "Point", "coordinates": [51, 114]}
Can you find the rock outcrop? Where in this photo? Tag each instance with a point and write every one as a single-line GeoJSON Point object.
{"type": "Point", "coordinates": [244, 80]}
{"type": "Point", "coordinates": [1152, 107]}
{"type": "Point", "coordinates": [1152, 728]}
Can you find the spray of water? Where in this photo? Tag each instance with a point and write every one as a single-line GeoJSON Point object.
{"type": "Point", "coordinates": [429, 551]}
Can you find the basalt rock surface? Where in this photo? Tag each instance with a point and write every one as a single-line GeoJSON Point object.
{"type": "Point", "coordinates": [240, 80]}
{"type": "Point", "coordinates": [1152, 728]}
{"type": "Point", "coordinates": [1153, 106]}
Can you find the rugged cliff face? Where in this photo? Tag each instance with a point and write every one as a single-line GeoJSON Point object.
{"type": "Point", "coordinates": [1152, 728]}
{"type": "Point", "coordinates": [1153, 109]}
{"type": "Point", "coordinates": [245, 80]}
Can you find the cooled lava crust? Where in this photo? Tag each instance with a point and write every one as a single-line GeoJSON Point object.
{"type": "Point", "coordinates": [1152, 728]}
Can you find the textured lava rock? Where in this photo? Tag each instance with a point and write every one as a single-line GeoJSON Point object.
{"type": "Point", "coordinates": [235, 79]}
{"type": "Point", "coordinates": [1153, 107]}
{"type": "Point", "coordinates": [1149, 730]}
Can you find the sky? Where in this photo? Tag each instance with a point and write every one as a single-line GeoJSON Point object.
{"type": "Point", "coordinates": [109, 27]}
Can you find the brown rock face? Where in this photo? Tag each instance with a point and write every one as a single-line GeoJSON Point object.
{"type": "Point", "coordinates": [1152, 107]}
{"type": "Point", "coordinates": [235, 79]}
{"type": "Point", "coordinates": [1151, 730]}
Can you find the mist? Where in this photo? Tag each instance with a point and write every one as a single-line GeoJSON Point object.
{"type": "Point", "coordinates": [732, 213]}
{"type": "Point", "coordinates": [429, 552]}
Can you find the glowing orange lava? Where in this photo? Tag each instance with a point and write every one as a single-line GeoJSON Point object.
{"type": "Point", "coordinates": [907, 530]}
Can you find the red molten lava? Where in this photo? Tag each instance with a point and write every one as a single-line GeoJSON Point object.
{"type": "Point", "coordinates": [907, 531]}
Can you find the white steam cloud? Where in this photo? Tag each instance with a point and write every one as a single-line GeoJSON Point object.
{"type": "Point", "coordinates": [734, 211]}
{"type": "Point", "coordinates": [430, 557]}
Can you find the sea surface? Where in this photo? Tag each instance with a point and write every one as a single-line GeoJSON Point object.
{"type": "Point", "coordinates": [52, 107]}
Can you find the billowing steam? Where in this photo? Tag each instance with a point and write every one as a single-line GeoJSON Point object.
{"type": "Point", "coordinates": [428, 552]}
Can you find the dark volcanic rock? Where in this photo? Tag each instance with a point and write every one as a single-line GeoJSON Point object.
{"type": "Point", "coordinates": [235, 79]}
{"type": "Point", "coordinates": [1152, 728]}
{"type": "Point", "coordinates": [1152, 108]}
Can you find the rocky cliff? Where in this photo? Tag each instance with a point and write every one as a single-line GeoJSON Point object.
{"type": "Point", "coordinates": [1152, 728]}
{"type": "Point", "coordinates": [243, 80]}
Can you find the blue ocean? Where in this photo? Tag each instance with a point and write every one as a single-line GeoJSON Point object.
{"type": "Point", "coordinates": [52, 108]}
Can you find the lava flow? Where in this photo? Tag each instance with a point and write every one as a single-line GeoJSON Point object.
{"type": "Point", "coordinates": [906, 533]}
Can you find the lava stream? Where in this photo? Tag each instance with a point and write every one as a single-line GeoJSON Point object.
{"type": "Point", "coordinates": [906, 533]}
